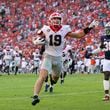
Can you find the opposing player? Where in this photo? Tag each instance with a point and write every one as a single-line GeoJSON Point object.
{"type": "Point", "coordinates": [105, 46]}
{"type": "Point", "coordinates": [87, 59]}
{"type": "Point", "coordinates": [53, 36]}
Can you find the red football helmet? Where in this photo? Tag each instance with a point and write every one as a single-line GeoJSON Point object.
{"type": "Point", "coordinates": [55, 19]}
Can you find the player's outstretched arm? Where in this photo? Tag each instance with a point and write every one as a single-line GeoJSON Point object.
{"type": "Point", "coordinates": [85, 31]}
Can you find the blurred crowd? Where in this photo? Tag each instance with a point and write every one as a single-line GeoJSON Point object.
{"type": "Point", "coordinates": [20, 20]}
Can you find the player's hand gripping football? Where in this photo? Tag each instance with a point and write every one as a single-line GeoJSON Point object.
{"type": "Point", "coordinates": [39, 40]}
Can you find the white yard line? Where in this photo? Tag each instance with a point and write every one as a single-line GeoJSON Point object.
{"type": "Point", "coordinates": [50, 95]}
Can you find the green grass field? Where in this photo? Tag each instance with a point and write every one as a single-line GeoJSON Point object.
{"type": "Point", "coordinates": [79, 92]}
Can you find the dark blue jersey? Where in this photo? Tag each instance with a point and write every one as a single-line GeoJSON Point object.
{"type": "Point", "coordinates": [88, 54]}
{"type": "Point", "coordinates": [1, 54]}
{"type": "Point", "coordinates": [105, 45]}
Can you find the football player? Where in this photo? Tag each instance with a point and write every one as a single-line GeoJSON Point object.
{"type": "Point", "coordinates": [17, 59]}
{"type": "Point", "coordinates": [87, 59]}
{"type": "Point", "coordinates": [36, 59]}
{"type": "Point", "coordinates": [105, 46]}
{"type": "Point", "coordinates": [52, 35]}
{"type": "Point", "coordinates": [65, 66]}
{"type": "Point", "coordinates": [8, 57]}
{"type": "Point", "coordinates": [1, 59]}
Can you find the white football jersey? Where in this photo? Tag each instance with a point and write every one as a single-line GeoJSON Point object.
{"type": "Point", "coordinates": [36, 55]}
{"type": "Point", "coordinates": [8, 54]}
{"type": "Point", "coordinates": [55, 40]}
{"type": "Point", "coordinates": [17, 56]}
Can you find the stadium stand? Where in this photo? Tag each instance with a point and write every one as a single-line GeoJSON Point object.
{"type": "Point", "coordinates": [20, 19]}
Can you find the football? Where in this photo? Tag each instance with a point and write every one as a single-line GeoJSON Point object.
{"type": "Point", "coordinates": [39, 41]}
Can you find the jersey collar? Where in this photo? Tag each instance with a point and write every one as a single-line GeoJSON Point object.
{"type": "Point", "coordinates": [55, 28]}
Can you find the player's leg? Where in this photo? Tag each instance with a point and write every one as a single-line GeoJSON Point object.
{"type": "Point", "coordinates": [46, 84]}
{"type": "Point", "coordinates": [1, 66]}
{"type": "Point", "coordinates": [36, 70]}
{"type": "Point", "coordinates": [64, 72]}
{"type": "Point", "coordinates": [45, 68]}
{"type": "Point", "coordinates": [38, 85]}
{"type": "Point", "coordinates": [42, 76]}
{"type": "Point", "coordinates": [62, 77]}
{"type": "Point", "coordinates": [106, 70]}
{"type": "Point", "coordinates": [53, 80]}
{"type": "Point", "coordinates": [56, 71]}
{"type": "Point", "coordinates": [16, 70]}
{"type": "Point", "coordinates": [33, 69]}
{"type": "Point", "coordinates": [106, 86]}
{"type": "Point", "coordinates": [7, 67]}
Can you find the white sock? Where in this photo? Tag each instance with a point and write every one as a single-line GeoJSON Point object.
{"type": "Point", "coordinates": [35, 94]}
{"type": "Point", "coordinates": [51, 85]}
{"type": "Point", "coordinates": [106, 84]}
{"type": "Point", "coordinates": [46, 83]}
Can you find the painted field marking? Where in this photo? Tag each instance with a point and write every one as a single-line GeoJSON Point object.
{"type": "Point", "coordinates": [50, 95]}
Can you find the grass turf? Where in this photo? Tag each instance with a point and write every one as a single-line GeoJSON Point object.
{"type": "Point", "coordinates": [79, 92]}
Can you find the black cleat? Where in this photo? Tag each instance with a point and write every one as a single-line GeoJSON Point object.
{"type": "Point", "coordinates": [35, 100]}
{"type": "Point", "coordinates": [62, 81]}
{"type": "Point", "coordinates": [51, 89]}
{"type": "Point", "coordinates": [46, 87]}
{"type": "Point", "coordinates": [106, 98]}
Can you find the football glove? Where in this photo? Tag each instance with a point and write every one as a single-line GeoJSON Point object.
{"type": "Point", "coordinates": [94, 24]}
{"type": "Point", "coordinates": [39, 41]}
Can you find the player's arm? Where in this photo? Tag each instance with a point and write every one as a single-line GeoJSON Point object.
{"type": "Point", "coordinates": [79, 34]}
{"type": "Point", "coordinates": [85, 31]}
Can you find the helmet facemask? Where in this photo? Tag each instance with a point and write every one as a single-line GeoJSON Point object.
{"type": "Point", "coordinates": [55, 19]}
